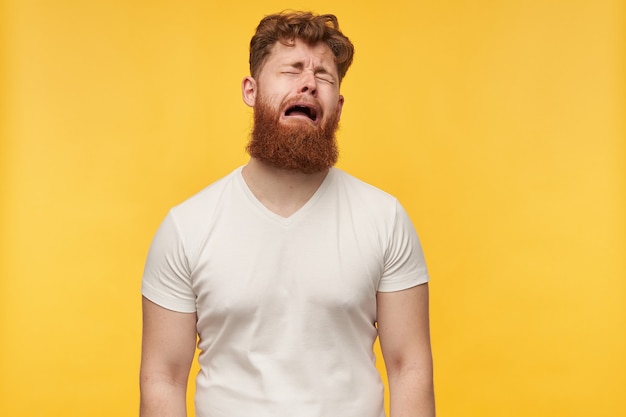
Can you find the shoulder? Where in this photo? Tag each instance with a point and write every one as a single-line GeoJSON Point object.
{"type": "Point", "coordinates": [360, 192]}
{"type": "Point", "coordinates": [193, 218]}
{"type": "Point", "coordinates": [204, 202]}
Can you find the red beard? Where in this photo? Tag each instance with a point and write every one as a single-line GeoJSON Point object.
{"type": "Point", "coordinates": [300, 147]}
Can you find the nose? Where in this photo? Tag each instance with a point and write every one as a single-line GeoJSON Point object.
{"type": "Point", "coordinates": [309, 84]}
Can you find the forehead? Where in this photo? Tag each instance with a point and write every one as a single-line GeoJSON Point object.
{"type": "Point", "coordinates": [318, 55]}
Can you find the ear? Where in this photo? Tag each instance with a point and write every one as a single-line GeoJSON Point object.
{"type": "Point", "coordinates": [339, 106]}
{"type": "Point", "coordinates": [249, 90]}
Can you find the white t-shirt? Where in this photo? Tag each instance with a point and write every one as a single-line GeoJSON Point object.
{"type": "Point", "coordinates": [286, 306]}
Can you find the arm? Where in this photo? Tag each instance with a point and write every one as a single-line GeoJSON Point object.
{"type": "Point", "coordinates": [403, 329]}
{"type": "Point", "coordinates": [168, 348]}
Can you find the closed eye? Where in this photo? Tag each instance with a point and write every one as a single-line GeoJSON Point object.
{"type": "Point", "coordinates": [325, 78]}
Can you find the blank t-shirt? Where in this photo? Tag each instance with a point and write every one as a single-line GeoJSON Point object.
{"type": "Point", "coordinates": [286, 306]}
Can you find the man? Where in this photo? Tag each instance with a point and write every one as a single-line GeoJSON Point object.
{"type": "Point", "coordinates": [288, 269]}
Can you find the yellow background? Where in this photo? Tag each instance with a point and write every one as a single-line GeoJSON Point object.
{"type": "Point", "coordinates": [498, 124]}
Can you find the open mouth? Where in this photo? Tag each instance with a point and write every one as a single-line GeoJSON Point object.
{"type": "Point", "coordinates": [302, 110]}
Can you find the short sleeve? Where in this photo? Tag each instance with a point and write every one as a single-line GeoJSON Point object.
{"type": "Point", "coordinates": [167, 276]}
{"type": "Point", "coordinates": [405, 266]}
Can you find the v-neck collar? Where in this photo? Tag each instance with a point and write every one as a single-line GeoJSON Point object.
{"type": "Point", "coordinates": [260, 207]}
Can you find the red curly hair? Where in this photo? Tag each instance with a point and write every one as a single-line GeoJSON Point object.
{"type": "Point", "coordinates": [286, 27]}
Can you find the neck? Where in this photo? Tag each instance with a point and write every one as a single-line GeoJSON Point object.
{"type": "Point", "coordinates": [282, 192]}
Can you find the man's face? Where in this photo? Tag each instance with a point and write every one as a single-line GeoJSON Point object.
{"type": "Point", "coordinates": [297, 108]}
